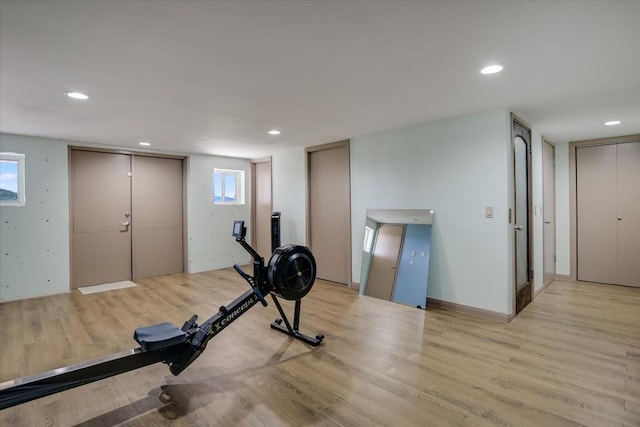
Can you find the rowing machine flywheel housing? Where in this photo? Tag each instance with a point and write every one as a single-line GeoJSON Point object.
{"type": "Point", "coordinates": [292, 271]}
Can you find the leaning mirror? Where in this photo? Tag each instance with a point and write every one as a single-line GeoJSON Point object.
{"type": "Point", "coordinates": [396, 253]}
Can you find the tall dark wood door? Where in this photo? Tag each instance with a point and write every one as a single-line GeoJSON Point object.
{"type": "Point", "coordinates": [329, 215]}
{"type": "Point", "coordinates": [521, 214]}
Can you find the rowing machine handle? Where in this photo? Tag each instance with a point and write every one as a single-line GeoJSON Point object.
{"type": "Point", "coordinates": [250, 280]}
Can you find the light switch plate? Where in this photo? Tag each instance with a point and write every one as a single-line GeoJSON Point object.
{"type": "Point", "coordinates": [488, 212]}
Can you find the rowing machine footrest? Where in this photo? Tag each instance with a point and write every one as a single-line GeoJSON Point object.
{"type": "Point", "coordinates": [158, 336]}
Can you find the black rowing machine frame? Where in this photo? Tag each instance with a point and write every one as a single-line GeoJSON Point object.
{"type": "Point", "coordinates": [290, 274]}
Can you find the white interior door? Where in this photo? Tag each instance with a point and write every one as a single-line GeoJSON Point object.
{"type": "Point", "coordinates": [549, 212]}
{"type": "Point", "coordinates": [157, 216]}
{"type": "Point", "coordinates": [384, 261]}
{"type": "Point", "coordinates": [596, 204]}
{"type": "Point", "coordinates": [330, 212]}
{"type": "Point", "coordinates": [262, 208]}
{"type": "Point", "coordinates": [628, 192]}
{"type": "Point", "coordinates": [100, 190]}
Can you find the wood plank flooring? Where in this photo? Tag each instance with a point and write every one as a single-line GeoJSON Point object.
{"type": "Point", "coordinates": [571, 358]}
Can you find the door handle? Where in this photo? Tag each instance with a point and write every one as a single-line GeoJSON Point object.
{"type": "Point", "coordinates": [393, 267]}
{"type": "Point", "coordinates": [125, 226]}
{"type": "Point", "coordinates": [547, 222]}
{"type": "Point", "coordinates": [518, 227]}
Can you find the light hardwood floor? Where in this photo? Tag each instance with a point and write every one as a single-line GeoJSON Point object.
{"type": "Point", "coordinates": [571, 358]}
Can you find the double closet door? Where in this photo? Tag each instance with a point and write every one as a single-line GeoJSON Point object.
{"type": "Point", "coordinates": [608, 211]}
{"type": "Point", "coordinates": [126, 217]}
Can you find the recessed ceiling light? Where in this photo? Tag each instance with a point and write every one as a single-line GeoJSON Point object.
{"type": "Point", "coordinates": [77, 95]}
{"type": "Point", "coordinates": [612, 123]}
{"type": "Point", "coordinates": [145, 143]}
{"type": "Point", "coordinates": [274, 132]}
{"type": "Point", "coordinates": [492, 69]}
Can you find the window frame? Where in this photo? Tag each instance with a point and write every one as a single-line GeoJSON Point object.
{"type": "Point", "coordinates": [20, 160]}
{"type": "Point", "coordinates": [239, 190]}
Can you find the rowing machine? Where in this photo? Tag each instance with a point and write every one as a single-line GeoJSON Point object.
{"type": "Point", "coordinates": [290, 274]}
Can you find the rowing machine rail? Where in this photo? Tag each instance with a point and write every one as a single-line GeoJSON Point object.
{"type": "Point", "coordinates": [290, 275]}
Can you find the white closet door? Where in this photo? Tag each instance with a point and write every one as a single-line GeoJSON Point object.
{"type": "Point", "coordinates": [329, 225]}
{"type": "Point", "coordinates": [629, 214]}
{"type": "Point", "coordinates": [597, 214]}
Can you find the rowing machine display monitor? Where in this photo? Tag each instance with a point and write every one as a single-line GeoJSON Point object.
{"type": "Point", "coordinates": [239, 230]}
{"type": "Point", "coordinates": [289, 274]}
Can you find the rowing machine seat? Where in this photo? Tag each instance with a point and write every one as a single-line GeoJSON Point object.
{"type": "Point", "coordinates": [158, 336]}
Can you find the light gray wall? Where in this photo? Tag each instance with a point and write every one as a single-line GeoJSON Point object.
{"type": "Point", "coordinates": [412, 167]}
{"type": "Point", "coordinates": [456, 167]}
{"type": "Point", "coordinates": [34, 239]}
{"type": "Point", "coordinates": [210, 245]}
{"type": "Point", "coordinates": [289, 194]}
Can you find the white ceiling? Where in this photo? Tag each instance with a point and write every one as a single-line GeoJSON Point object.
{"type": "Point", "coordinates": [174, 72]}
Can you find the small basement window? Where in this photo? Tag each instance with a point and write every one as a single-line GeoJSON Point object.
{"type": "Point", "coordinates": [228, 187]}
{"type": "Point", "coordinates": [12, 179]}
